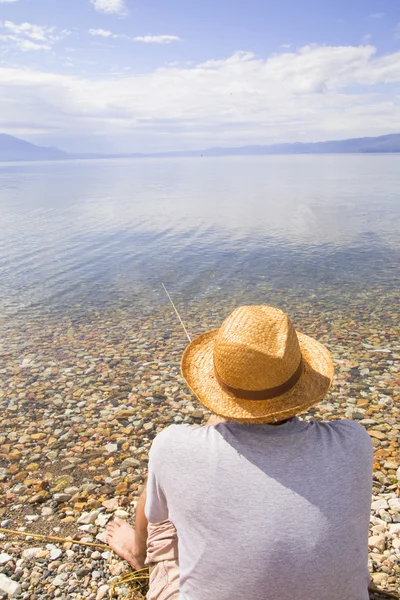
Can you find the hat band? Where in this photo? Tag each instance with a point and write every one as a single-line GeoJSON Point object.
{"type": "Point", "coordinates": [267, 394]}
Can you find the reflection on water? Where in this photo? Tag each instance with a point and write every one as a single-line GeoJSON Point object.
{"type": "Point", "coordinates": [91, 230]}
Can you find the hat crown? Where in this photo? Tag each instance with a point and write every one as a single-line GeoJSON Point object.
{"type": "Point", "coordinates": [256, 348]}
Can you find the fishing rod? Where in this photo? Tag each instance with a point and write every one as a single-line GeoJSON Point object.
{"type": "Point", "coordinates": [177, 314]}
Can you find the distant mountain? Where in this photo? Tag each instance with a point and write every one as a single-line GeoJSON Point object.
{"type": "Point", "coordinates": [14, 149]}
{"type": "Point", "coordinates": [383, 143]}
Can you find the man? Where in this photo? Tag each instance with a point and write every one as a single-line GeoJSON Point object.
{"type": "Point", "coordinates": [259, 505]}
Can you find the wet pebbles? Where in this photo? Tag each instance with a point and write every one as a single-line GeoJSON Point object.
{"type": "Point", "coordinates": [83, 396]}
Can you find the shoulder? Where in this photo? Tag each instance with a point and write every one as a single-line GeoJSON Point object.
{"type": "Point", "coordinates": [347, 432]}
{"type": "Point", "coordinates": [174, 436]}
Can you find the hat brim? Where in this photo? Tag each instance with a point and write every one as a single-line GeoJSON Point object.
{"type": "Point", "coordinates": [197, 369]}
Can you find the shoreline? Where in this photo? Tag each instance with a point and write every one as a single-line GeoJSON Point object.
{"type": "Point", "coordinates": [83, 398]}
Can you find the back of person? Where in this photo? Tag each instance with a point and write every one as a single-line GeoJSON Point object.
{"type": "Point", "coordinates": [266, 512]}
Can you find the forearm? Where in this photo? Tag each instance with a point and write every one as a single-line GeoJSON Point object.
{"type": "Point", "coordinates": [141, 526]}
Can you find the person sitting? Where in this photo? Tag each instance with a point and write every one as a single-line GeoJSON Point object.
{"type": "Point", "coordinates": [258, 504]}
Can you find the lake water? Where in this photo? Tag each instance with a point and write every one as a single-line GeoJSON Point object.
{"type": "Point", "coordinates": [86, 330]}
{"type": "Point", "coordinates": [96, 233]}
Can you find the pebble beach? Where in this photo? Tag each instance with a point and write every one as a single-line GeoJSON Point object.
{"type": "Point", "coordinates": [90, 346]}
{"type": "Point", "coordinates": [82, 399]}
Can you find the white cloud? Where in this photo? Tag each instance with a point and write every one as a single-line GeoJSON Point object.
{"type": "Point", "coordinates": [105, 33]}
{"type": "Point", "coordinates": [157, 39]}
{"type": "Point", "coordinates": [110, 6]}
{"type": "Point", "coordinates": [317, 92]}
{"type": "Point", "coordinates": [148, 39]}
{"type": "Point", "coordinates": [27, 36]}
{"type": "Point", "coordinates": [7, 1]}
{"type": "Point", "coordinates": [101, 33]}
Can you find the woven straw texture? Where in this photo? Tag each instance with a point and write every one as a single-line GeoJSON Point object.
{"type": "Point", "coordinates": [256, 348]}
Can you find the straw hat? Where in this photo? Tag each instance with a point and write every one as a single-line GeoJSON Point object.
{"type": "Point", "coordinates": [256, 368]}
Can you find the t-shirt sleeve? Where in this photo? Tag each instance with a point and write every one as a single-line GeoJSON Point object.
{"type": "Point", "coordinates": [156, 508]}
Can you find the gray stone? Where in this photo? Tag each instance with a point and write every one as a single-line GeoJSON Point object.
{"type": "Point", "coordinates": [130, 462]}
{"type": "Point", "coordinates": [62, 497]}
{"type": "Point", "coordinates": [4, 558]}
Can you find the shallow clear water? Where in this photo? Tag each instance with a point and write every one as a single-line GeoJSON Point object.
{"type": "Point", "coordinates": [97, 232]}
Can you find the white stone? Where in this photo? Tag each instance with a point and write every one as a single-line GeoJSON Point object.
{"type": "Point", "coordinates": [55, 553]}
{"type": "Point", "coordinates": [10, 587]}
{"type": "Point", "coordinates": [5, 523]}
{"type": "Point", "coordinates": [88, 528]}
{"type": "Point", "coordinates": [31, 553]}
{"type": "Point", "coordinates": [381, 503]}
{"type": "Point", "coordinates": [394, 528]}
{"type": "Point", "coordinates": [4, 558]}
{"type": "Point", "coordinates": [398, 474]}
{"type": "Point", "coordinates": [69, 553]}
{"type": "Point", "coordinates": [111, 448]}
{"type": "Point", "coordinates": [47, 511]}
{"type": "Point", "coordinates": [103, 519]}
{"type": "Point", "coordinates": [102, 592]}
{"type": "Point", "coordinates": [32, 518]}
{"type": "Point", "coordinates": [60, 580]}
{"type": "Point", "coordinates": [102, 537]}
{"type": "Point", "coordinates": [88, 518]}
{"type": "Point", "coordinates": [394, 504]}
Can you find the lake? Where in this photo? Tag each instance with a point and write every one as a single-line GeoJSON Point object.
{"type": "Point", "coordinates": [90, 347]}
{"type": "Point", "coordinates": [100, 233]}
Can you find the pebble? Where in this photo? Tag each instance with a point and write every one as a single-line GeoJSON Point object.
{"type": "Point", "coordinates": [30, 553]}
{"type": "Point", "coordinates": [4, 558]}
{"type": "Point", "coordinates": [102, 592]}
{"type": "Point", "coordinates": [9, 587]}
{"type": "Point", "coordinates": [79, 416]}
{"type": "Point", "coordinates": [377, 541]}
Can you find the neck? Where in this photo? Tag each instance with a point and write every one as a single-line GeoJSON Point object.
{"type": "Point", "coordinates": [279, 423]}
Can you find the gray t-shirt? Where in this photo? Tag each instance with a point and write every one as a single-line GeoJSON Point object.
{"type": "Point", "coordinates": [264, 512]}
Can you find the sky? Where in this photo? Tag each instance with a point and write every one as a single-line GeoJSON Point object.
{"type": "Point", "coordinates": [159, 75]}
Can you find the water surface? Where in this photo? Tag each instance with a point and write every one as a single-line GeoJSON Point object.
{"type": "Point", "coordinates": [97, 232]}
